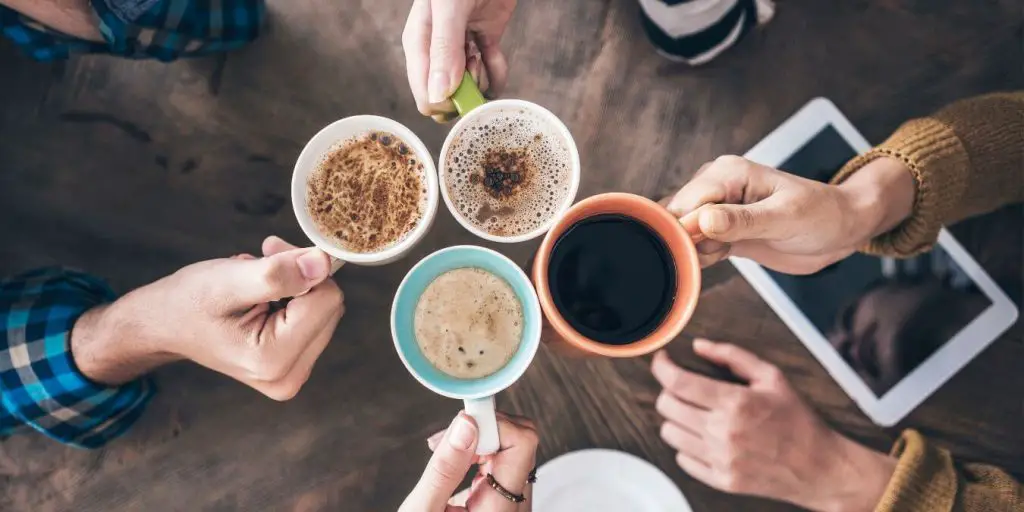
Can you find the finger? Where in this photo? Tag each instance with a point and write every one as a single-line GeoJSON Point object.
{"type": "Point", "coordinates": [691, 387]}
{"type": "Point", "coordinates": [741, 362]}
{"type": "Point", "coordinates": [475, 64]}
{"type": "Point", "coordinates": [303, 367]}
{"type": "Point", "coordinates": [273, 245]}
{"type": "Point", "coordinates": [298, 330]}
{"type": "Point", "coordinates": [710, 252]}
{"type": "Point", "coordinates": [682, 414]}
{"type": "Point", "coordinates": [701, 190]}
{"type": "Point", "coordinates": [510, 467]}
{"type": "Point", "coordinates": [242, 283]}
{"type": "Point", "coordinates": [243, 257]}
{"type": "Point", "coordinates": [737, 222]}
{"type": "Point", "coordinates": [296, 372]}
{"type": "Point", "coordinates": [798, 264]}
{"type": "Point", "coordinates": [497, 69]}
{"type": "Point", "coordinates": [448, 22]}
{"type": "Point", "coordinates": [446, 467]}
{"type": "Point", "coordinates": [684, 441]}
{"type": "Point", "coordinates": [520, 421]}
{"type": "Point", "coordinates": [416, 44]}
{"type": "Point", "coordinates": [696, 468]}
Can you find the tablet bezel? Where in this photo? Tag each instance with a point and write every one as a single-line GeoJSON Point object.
{"type": "Point", "coordinates": [916, 386]}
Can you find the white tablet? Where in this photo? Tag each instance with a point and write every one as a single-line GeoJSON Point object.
{"type": "Point", "coordinates": [889, 331]}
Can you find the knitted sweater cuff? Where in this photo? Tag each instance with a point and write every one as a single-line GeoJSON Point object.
{"type": "Point", "coordinates": [924, 479]}
{"type": "Point", "coordinates": [935, 156]}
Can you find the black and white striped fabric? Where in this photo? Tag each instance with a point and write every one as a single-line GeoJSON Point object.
{"type": "Point", "coordinates": [697, 31]}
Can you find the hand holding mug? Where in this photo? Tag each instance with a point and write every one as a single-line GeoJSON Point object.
{"type": "Point", "coordinates": [760, 438]}
{"type": "Point", "coordinates": [218, 313]}
{"type": "Point", "coordinates": [735, 207]}
{"type": "Point", "coordinates": [445, 38]}
{"type": "Point", "coordinates": [455, 453]}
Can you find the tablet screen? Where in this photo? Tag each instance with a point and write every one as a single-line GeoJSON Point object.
{"type": "Point", "coordinates": [884, 316]}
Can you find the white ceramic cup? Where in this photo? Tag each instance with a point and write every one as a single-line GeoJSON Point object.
{"type": "Point", "coordinates": [331, 138]}
{"type": "Point", "coordinates": [468, 119]}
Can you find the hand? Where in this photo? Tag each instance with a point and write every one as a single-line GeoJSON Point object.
{"type": "Point", "coordinates": [218, 313]}
{"type": "Point", "coordinates": [72, 17]}
{"type": "Point", "coordinates": [760, 438]}
{"type": "Point", "coordinates": [791, 224]}
{"type": "Point", "coordinates": [445, 38]}
{"type": "Point", "coordinates": [454, 454]}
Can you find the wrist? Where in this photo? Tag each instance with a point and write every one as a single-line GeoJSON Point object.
{"type": "Point", "coordinates": [105, 350]}
{"type": "Point", "coordinates": [879, 197]}
{"type": "Point", "coordinates": [857, 480]}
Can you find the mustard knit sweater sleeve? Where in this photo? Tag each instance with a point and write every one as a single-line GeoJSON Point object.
{"type": "Point", "coordinates": [967, 159]}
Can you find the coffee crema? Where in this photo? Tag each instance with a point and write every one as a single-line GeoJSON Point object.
{"type": "Point", "coordinates": [368, 193]}
{"type": "Point", "coordinates": [508, 172]}
{"type": "Point", "coordinates": [468, 323]}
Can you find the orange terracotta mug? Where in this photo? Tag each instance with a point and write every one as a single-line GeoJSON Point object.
{"type": "Point", "coordinates": [557, 331]}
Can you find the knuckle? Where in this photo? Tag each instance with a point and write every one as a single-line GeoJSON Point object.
{"type": "Point", "coordinates": [529, 437]}
{"type": "Point", "coordinates": [441, 46]}
{"type": "Point", "coordinates": [737, 406]}
{"type": "Point", "coordinates": [266, 369]}
{"type": "Point", "coordinates": [678, 384]}
{"type": "Point", "coordinates": [665, 432]}
{"type": "Point", "coordinates": [662, 404]}
{"type": "Point", "coordinates": [774, 377]}
{"type": "Point", "coordinates": [272, 276]}
{"type": "Point", "coordinates": [729, 481]}
{"type": "Point", "coordinates": [744, 217]}
{"type": "Point", "coordinates": [283, 391]}
{"type": "Point", "coordinates": [731, 162]}
{"type": "Point", "coordinates": [443, 470]}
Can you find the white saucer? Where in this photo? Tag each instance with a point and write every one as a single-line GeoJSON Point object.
{"type": "Point", "coordinates": [600, 480]}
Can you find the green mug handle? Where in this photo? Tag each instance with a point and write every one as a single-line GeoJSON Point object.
{"type": "Point", "coordinates": [467, 96]}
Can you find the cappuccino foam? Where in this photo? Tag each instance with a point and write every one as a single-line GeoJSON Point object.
{"type": "Point", "coordinates": [468, 323]}
{"type": "Point", "coordinates": [367, 193]}
{"type": "Point", "coordinates": [508, 172]}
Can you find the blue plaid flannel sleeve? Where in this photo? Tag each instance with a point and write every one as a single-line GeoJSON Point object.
{"type": "Point", "coordinates": [155, 29]}
{"type": "Point", "coordinates": [40, 386]}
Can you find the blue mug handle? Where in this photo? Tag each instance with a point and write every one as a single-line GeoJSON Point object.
{"type": "Point", "coordinates": [482, 412]}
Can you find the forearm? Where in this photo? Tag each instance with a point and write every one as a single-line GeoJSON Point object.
{"type": "Point", "coordinates": [71, 17]}
{"type": "Point", "coordinates": [106, 353]}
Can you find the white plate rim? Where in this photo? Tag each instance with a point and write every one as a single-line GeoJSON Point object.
{"type": "Point", "coordinates": [644, 474]}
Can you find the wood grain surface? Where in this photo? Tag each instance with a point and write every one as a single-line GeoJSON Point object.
{"type": "Point", "coordinates": [134, 169]}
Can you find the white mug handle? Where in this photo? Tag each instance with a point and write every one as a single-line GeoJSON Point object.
{"type": "Point", "coordinates": [482, 412]}
{"type": "Point", "coordinates": [336, 264]}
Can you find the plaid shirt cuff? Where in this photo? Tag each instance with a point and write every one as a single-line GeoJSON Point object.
{"type": "Point", "coordinates": [166, 30]}
{"type": "Point", "coordinates": [40, 386]}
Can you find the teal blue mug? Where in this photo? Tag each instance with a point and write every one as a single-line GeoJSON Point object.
{"type": "Point", "coordinates": [478, 394]}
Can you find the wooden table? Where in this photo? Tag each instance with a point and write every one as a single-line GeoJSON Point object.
{"type": "Point", "coordinates": [133, 169]}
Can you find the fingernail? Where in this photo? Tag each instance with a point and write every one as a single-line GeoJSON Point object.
{"type": "Point", "coordinates": [436, 438]}
{"type": "Point", "coordinates": [701, 344]}
{"type": "Point", "coordinates": [437, 87]}
{"type": "Point", "coordinates": [313, 265]}
{"type": "Point", "coordinates": [462, 433]}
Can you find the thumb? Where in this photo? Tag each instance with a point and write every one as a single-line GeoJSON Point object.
{"type": "Point", "coordinates": [452, 458]}
{"type": "Point", "coordinates": [734, 222]}
{"type": "Point", "coordinates": [449, 21]}
{"type": "Point", "coordinates": [285, 274]}
{"type": "Point", "coordinates": [742, 363]}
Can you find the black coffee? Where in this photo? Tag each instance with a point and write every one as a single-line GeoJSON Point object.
{"type": "Point", "coordinates": [612, 278]}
